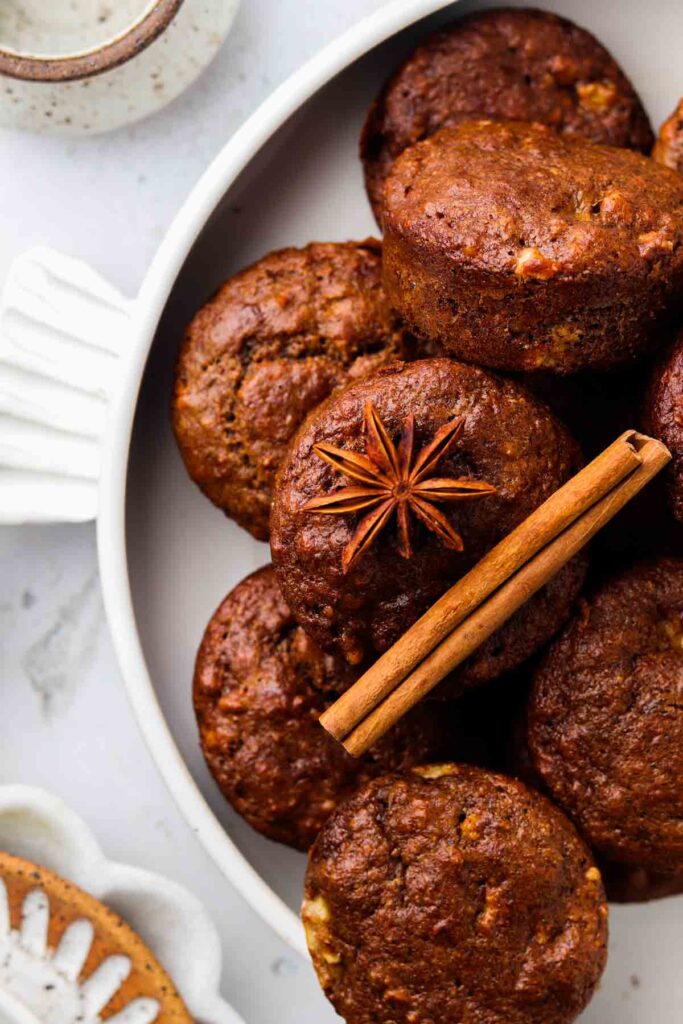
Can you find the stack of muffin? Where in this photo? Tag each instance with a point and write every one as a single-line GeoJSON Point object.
{"type": "Point", "coordinates": [385, 413]}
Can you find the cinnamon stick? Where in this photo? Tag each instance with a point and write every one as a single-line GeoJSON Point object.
{"type": "Point", "coordinates": [562, 508]}
{"type": "Point", "coordinates": [436, 662]}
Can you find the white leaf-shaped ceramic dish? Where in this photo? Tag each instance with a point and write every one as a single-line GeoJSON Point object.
{"type": "Point", "coordinates": [40, 828]}
{"type": "Point", "coordinates": [290, 175]}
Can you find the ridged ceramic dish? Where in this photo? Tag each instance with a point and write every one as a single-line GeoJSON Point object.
{"type": "Point", "coordinates": [40, 828]}
{"type": "Point", "coordinates": [291, 174]}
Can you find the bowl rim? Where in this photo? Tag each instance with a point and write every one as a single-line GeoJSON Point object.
{"type": "Point", "coordinates": [159, 281]}
{"type": "Point", "coordinates": [145, 28]}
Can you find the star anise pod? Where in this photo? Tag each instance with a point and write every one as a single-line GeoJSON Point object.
{"type": "Point", "coordinates": [388, 478]}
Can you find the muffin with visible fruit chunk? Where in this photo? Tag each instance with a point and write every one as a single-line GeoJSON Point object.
{"type": "Point", "coordinates": [605, 719]}
{"type": "Point", "coordinates": [668, 148]}
{"type": "Point", "coordinates": [451, 894]}
{"type": "Point", "coordinates": [260, 686]}
{"type": "Point", "coordinates": [664, 417]}
{"type": "Point", "coordinates": [442, 460]}
{"type": "Point", "coordinates": [520, 249]}
{"type": "Point", "coordinates": [274, 341]}
{"type": "Point", "coordinates": [512, 65]}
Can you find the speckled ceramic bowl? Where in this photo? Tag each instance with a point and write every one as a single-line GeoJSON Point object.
{"type": "Point", "coordinates": [41, 983]}
{"type": "Point", "coordinates": [80, 66]}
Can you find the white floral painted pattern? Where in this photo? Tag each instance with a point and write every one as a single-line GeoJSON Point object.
{"type": "Point", "coordinates": [47, 982]}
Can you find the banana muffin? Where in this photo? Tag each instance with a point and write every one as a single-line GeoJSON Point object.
{"type": "Point", "coordinates": [509, 65]}
{"type": "Point", "coordinates": [455, 895]}
{"type": "Point", "coordinates": [664, 418]}
{"type": "Point", "coordinates": [260, 685]}
{"type": "Point", "coordinates": [605, 719]}
{"type": "Point", "coordinates": [520, 249]}
{"type": "Point", "coordinates": [273, 342]}
{"type": "Point", "coordinates": [668, 148]}
{"type": "Point", "coordinates": [461, 456]}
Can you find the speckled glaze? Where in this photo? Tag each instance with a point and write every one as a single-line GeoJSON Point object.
{"type": "Point", "coordinates": [151, 78]}
{"type": "Point", "coordinates": [69, 959]}
{"type": "Point", "coordinates": [66, 955]}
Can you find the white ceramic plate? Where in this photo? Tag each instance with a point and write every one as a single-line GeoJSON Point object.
{"type": "Point", "coordinates": [291, 175]}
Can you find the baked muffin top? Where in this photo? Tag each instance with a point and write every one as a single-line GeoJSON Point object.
{"type": "Point", "coordinates": [507, 64]}
{"type": "Point", "coordinates": [507, 439]}
{"type": "Point", "coordinates": [260, 686]}
{"type": "Point", "coordinates": [455, 895]}
{"type": "Point", "coordinates": [273, 342]}
{"type": "Point", "coordinates": [605, 718]}
{"type": "Point", "coordinates": [519, 200]}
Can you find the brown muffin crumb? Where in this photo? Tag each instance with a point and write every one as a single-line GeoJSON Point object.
{"type": "Point", "coordinates": [273, 342]}
{"type": "Point", "coordinates": [451, 894]}
{"type": "Point", "coordinates": [509, 65]}
{"type": "Point", "coordinates": [508, 439]}
{"type": "Point", "coordinates": [668, 149]}
{"type": "Point", "coordinates": [519, 249]}
{"type": "Point", "coordinates": [605, 718]}
{"type": "Point", "coordinates": [260, 686]}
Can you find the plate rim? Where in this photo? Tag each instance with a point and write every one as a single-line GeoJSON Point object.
{"type": "Point", "coordinates": [158, 283]}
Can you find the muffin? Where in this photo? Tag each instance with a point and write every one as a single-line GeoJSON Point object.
{"type": "Point", "coordinates": [668, 148]}
{"type": "Point", "coordinates": [506, 455]}
{"type": "Point", "coordinates": [260, 685]}
{"type": "Point", "coordinates": [624, 883]}
{"type": "Point", "coordinates": [506, 65]}
{"type": "Point", "coordinates": [605, 719]}
{"type": "Point", "coordinates": [454, 895]}
{"type": "Point", "coordinates": [520, 249]}
{"type": "Point", "coordinates": [273, 342]}
{"type": "Point", "coordinates": [664, 418]}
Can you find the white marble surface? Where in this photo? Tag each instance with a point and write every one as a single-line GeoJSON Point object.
{"type": "Point", "coordinates": [64, 720]}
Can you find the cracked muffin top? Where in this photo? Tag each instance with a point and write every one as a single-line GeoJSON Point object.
{"type": "Point", "coordinates": [517, 248]}
{"type": "Point", "coordinates": [518, 199]}
{"type": "Point", "coordinates": [505, 442]}
{"type": "Point", "coordinates": [511, 65]}
{"type": "Point", "coordinates": [455, 895]}
{"type": "Point", "coordinates": [272, 343]}
{"type": "Point", "coordinates": [605, 718]}
{"type": "Point", "coordinates": [260, 686]}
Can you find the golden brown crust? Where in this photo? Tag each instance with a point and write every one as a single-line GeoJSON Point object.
{"type": "Point", "coordinates": [512, 65]}
{"type": "Point", "coordinates": [605, 718]}
{"type": "Point", "coordinates": [668, 149]}
{"type": "Point", "coordinates": [454, 895]}
{"type": "Point", "coordinates": [523, 250]}
{"type": "Point", "coordinates": [273, 342]}
{"type": "Point", "coordinates": [509, 439]}
{"type": "Point", "coordinates": [260, 686]}
{"type": "Point", "coordinates": [112, 936]}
